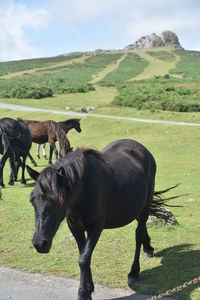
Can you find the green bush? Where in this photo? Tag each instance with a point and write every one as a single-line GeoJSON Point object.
{"type": "Point", "coordinates": [158, 96]}
{"type": "Point", "coordinates": [20, 90]}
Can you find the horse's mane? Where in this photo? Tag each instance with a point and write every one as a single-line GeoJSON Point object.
{"type": "Point", "coordinates": [61, 137]}
{"type": "Point", "coordinates": [70, 169]}
{"type": "Point", "coordinates": [69, 121]}
{"type": "Point", "coordinates": [91, 151]}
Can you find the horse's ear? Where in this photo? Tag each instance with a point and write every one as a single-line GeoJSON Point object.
{"type": "Point", "coordinates": [61, 172]}
{"type": "Point", "coordinates": [33, 174]}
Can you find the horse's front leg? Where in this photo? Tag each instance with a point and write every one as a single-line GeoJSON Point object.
{"type": "Point", "coordinates": [50, 155]}
{"type": "Point", "coordinates": [38, 151]}
{"type": "Point", "coordinates": [32, 159]}
{"type": "Point", "coordinates": [86, 247]}
{"type": "Point", "coordinates": [2, 164]}
{"type": "Point", "coordinates": [53, 148]}
{"type": "Point", "coordinates": [23, 180]}
{"type": "Point", "coordinates": [86, 287]}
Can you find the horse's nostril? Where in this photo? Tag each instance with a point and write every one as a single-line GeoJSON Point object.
{"type": "Point", "coordinates": [44, 244]}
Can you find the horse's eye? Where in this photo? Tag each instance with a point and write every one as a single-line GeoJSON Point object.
{"type": "Point", "coordinates": [45, 215]}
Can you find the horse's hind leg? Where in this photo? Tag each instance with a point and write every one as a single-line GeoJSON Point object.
{"type": "Point", "coordinates": [148, 250]}
{"type": "Point", "coordinates": [44, 151]}
{"type": "Point", "coordinates": [133, 276]}
{"type": "Point", "coordinates": [12, 171]}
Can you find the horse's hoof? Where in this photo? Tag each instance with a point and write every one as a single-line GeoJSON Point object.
{"type": "Point", "coordinates": [2, 185]}
{"type": "Point", "coordinates": [35, 164]}
{"type": "Point", "coordinates": [23, 181]}
{"type": "Point", "coordinates": [38, 156]}
{"type": "Point", "coordinates": [147, 253]}
{"type": "Point", "coordinates": [132, 280]}
{"type": "Point", "coordinates": [11, 183]}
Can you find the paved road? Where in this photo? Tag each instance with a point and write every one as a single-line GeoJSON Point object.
{"type": "Point", "coordinates": [71, 113]}
{"type": "Point", "coordinates": [17, 285]}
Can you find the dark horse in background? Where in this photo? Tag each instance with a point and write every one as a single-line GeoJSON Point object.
{"type": "Point", "coordinates": [66, 125]}
{"type": "Point", "coordinates": [95, 191]}
{"type": "Point", "coordinates": [49, 131]}
{"type": "Point", "coordinates": [15, 142]}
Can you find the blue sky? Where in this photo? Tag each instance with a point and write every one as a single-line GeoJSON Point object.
{"type": "Point", "coordinates": [40, 28]}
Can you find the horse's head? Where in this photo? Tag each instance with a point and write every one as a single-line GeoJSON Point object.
{"type": "Point", "coordinates": [49, 208]}
{"type": "Point", "coordinates": [77, 125]}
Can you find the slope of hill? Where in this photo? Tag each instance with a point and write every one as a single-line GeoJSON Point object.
{"type": "Point", "coordinates": [160, 78]}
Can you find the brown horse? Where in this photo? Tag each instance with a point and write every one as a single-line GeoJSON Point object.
{"type": "Point", "coordinates": [49, 131]}
{"type": "Point", "coordinates": [66, 125]}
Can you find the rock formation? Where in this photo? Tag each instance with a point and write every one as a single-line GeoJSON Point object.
{"type": "Point", "coordinates": [165, 39]}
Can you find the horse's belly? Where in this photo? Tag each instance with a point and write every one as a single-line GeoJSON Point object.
{"type": "Point", "coordinates": [40, 139]}
{"type": "Point", "coordinates": [121, 211]}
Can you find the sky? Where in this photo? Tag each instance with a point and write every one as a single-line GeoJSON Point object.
{"type": "Point", "coordinates": [44, 28]}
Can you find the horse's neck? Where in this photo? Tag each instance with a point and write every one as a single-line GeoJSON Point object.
{"type": "Point", "coordinates": [66, 127]}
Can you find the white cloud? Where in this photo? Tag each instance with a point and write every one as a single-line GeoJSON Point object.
{"type": "Point", "coordinates": [15, 21]}
{"type": "Point", "coordinates": [124, 20]}
{"type": "Point", "coordinates": [78, 12]}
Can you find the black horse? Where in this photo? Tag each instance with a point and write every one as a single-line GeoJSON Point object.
{"type": "Point", "coordinates": [15, 142]}
{"type": "Point", "coordinates": [94, 191]}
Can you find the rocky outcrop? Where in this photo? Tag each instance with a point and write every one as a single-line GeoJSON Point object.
{"type": "Point", "coordinates": [165, 39]}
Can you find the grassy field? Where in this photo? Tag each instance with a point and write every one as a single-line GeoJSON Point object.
{"type": "Point", "coordinates": [177, 249]}
{"type": "Point", "coordinates": [160, 63]}
{"type": "Point", "coordinates": [130, 67]}
{"type": "Point", "coordinates": [61, 79]}
{"type": "Point", "coordinates": [188, 65]}
{"type": "Point", "coordinates": [172, 77]}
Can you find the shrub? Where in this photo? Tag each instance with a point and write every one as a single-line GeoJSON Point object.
{"type": "Point", "coordinates": [157, 96]}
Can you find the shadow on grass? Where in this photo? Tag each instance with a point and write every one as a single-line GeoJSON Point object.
{"type": "Point", "coordinates": [179, 264]}
{"type": "Point", "coordinates": [29, 184]}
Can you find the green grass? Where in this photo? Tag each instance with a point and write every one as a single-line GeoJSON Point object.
{"type": "Point", "coordinates": [131, 66]}
{"type": "Point", "coordinates": [177, 249]}
{"type": "Point", "coordinates": [188, 66]}
{"type": "Point", "coordinates": [163, 55]}
{"type": "Point", "coordinates": [28, 64]}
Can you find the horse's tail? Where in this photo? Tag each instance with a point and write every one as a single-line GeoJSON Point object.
{"type": "Point", "coordinates": [158, 205]}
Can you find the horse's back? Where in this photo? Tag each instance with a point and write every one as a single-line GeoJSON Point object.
{"type": "Point", "coordinates": [18, 134]}
{"type": "Point", "coordinates": [132, 173]}
{"type": "Point", "coordinates": [129, 155]}
{"type": "Point", "coordinates": [39, 130]}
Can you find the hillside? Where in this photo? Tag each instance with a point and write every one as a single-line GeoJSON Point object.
{"type": "Point", "coordinates": [156, 78]}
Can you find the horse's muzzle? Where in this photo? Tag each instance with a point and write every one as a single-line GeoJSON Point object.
{"type": "Point", "coordinates": [42, 246]}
